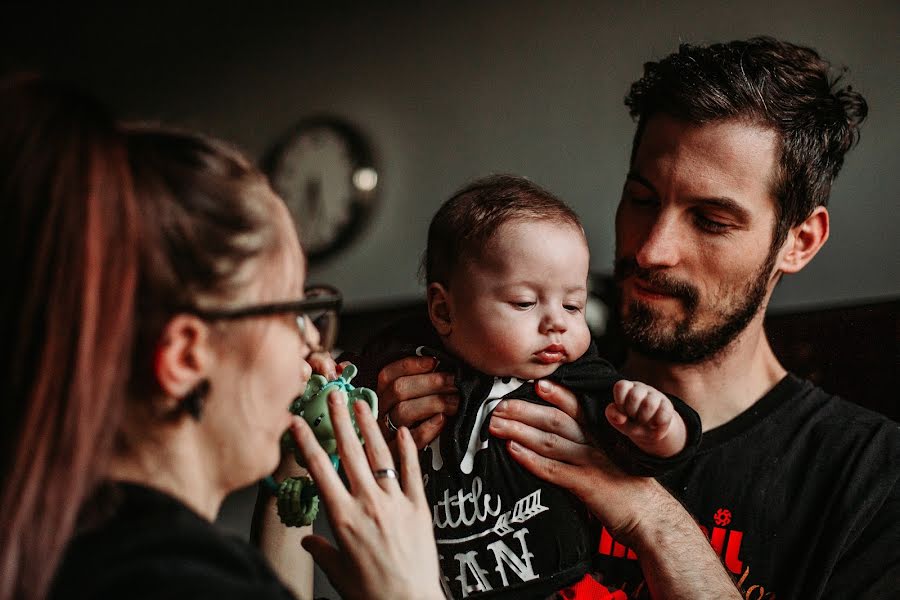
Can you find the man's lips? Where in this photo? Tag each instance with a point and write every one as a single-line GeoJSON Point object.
{"type": "Point", "coordinates": [553, 353]}
{"type": "Point", "coordinates": [645, 290]}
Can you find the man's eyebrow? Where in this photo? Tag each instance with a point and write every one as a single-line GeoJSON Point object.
{"type": "Point", "coordinates": [727, 204]}
{"type": "Point", "coordinates": [635, 176]}
{"type": "Point", "coordinates": [723, 202]}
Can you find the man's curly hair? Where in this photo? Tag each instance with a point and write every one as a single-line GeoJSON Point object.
{"type": "Point", "coordinates": [783, 86]}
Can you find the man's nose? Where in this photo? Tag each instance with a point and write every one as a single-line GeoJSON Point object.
{"type": "Point", "coordinates": [660, 246]}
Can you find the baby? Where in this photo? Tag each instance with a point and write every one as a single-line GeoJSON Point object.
{"type": "Point", "coordinates": [506, 268]}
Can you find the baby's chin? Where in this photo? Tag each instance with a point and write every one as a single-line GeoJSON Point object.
{"type": "Point", "coordinates": [527, 371]}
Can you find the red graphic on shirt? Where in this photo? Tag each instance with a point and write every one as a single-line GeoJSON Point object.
{"type": "Point", "coordinates": [722, 517]}
{"type": "Point", "coordinates": [725, 542]}
{"type": "Point", "coordinates": [720, 539]}
{"type": "Point", "coordinates": [591, 589]}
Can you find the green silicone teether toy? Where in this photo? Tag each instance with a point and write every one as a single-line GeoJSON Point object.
{"type": "Point", "coordinates": [297, 497]}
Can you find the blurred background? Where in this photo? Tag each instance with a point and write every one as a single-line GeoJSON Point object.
{"type": "Point", "coordinates": [439, 93]}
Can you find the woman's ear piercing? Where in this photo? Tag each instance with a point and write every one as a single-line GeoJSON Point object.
{"type": "Point", "coordinates": [192, 402]}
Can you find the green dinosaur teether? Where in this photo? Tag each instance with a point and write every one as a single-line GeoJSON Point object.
{"type": "Point", "coordinates": [297, 497]}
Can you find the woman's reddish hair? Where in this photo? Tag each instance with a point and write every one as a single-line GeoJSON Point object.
{"type": "Point", "coordinates": [68, 258]}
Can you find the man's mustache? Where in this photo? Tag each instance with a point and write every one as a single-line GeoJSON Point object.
{"type": "Point", "coordinates": [627, 266]}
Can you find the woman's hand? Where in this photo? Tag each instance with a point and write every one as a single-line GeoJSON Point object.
{"type": "Point", "coordinates": [323, 364]}
{"type": "Point", "coordinates": [414, 396]}
{"type": "Point", "coordinates": [382, 525]}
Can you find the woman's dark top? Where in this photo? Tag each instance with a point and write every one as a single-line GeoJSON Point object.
{"type": "Point", "coordinates": [137, 542]}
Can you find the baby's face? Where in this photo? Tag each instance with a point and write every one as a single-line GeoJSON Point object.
{"type": "Point", "coordinates": [518, 310]}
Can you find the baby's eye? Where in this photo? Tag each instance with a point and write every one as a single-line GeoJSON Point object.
{"type": "Point", "coordinates": [523, 304]}
{"type": "Point", "coordinates": [572, 307]}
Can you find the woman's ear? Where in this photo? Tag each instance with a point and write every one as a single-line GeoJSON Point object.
{"type": "Point", "coordinates": [183, 355]}
{"type": "Point", "coordinates": [439, 308]}
{"type": "Point", "coordinates": [804, 241]}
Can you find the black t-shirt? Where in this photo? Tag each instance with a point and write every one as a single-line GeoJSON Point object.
{"type": "Point", "coordinates": [799, 495]}
{"type": "Point", "coordinates": [501, 531]}
{"type": "Point", "coordinates": [141, 543]}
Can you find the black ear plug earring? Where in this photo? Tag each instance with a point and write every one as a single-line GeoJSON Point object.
{"type": "Point", "coordinates": [192, 402]}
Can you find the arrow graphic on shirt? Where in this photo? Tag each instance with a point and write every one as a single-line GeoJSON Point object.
{"type": "Point", "coordinates": [525, 508]}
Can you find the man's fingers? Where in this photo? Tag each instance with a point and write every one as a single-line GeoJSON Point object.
{"type": "Point", "coordinates": [428, 430]}
{"type": "Point", "coordinates": [560, 397]}
{"type": "Point", "coordinates": [402, 369]}
{"type": "Point", "coordinates": [546, 418]}
{"type": "Point", "coordinates": [410, 412]}
{"type": "Point", "coordinates": [416, 386]}
{"type": "Point", "coordinates": [542, 442]}
{"type": "Point", "coordinates": [555, 472]}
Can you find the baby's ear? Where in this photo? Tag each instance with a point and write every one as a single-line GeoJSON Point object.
{"type": "Point", "coordinates": [439, 308]}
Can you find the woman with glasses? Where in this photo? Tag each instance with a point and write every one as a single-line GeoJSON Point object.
{"type": "Point", "coordinates": [157, 331]}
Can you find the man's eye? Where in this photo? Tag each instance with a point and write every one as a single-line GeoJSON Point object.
{"type": "Point", "coordinates": [641, 200]}
{"type": "Point", "coordinates": [711, 225]}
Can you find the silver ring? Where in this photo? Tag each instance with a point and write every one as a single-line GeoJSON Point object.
{"type": "Point", "coordinates": [385, 474]}
{"type": "Point", "coordinates": [388, 423]}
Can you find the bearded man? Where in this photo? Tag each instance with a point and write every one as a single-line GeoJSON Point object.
{"type": "Point", "coordinates": [795, 491]}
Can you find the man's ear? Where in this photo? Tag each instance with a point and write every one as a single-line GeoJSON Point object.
{"type": "Point", "coordinates": [804, 241]}
{"type": "Point", "coordinates": [439, 308]}
{"type": "Point", "coordinates": [183, 355]}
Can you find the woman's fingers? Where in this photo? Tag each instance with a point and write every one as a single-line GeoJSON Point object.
{"type": "Point", "coordinates": [560, 397]}
{"type": "Point", "coordinates": [322, 363]}
{"type": "Point", "coordinates": [546, 418]}
{"type": "Point", "coordinates": [319, 464]}
{"type": "Point", "coordinates": [410, 471]}
{"type": "Point", "coordinates": [353, 458]}
{"type": "Point", "coordinates": [545, 443]}
{"type": "Point", "coordinates": [375, 447]}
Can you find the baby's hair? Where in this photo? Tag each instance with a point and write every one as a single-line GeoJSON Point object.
{"type": "Point", "coordinates": [465, 223]}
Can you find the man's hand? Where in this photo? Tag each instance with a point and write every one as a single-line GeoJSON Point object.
{"type": "Point", "coordinates": [412, 395]}
{"type": "Point", "coordinates": [551, 442]}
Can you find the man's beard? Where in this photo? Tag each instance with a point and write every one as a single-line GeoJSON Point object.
{"type": "Point", "coordinates": [645, 330]}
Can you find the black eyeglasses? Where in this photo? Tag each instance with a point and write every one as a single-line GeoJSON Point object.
{"type": "Point", "coordinates": [319, 309]}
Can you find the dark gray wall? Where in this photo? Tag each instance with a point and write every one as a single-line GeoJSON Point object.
{"type": "Point", "coordinates": [450, 91]}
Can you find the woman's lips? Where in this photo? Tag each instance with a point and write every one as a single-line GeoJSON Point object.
{"type": "Point", "coordinates": [552, 354]}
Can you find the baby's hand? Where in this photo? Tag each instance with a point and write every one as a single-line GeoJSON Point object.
{"type": "Point", "coordinates": [647, 417]}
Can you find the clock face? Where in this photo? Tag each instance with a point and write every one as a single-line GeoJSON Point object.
{"type": "Point", "coordinates": [324, 172]}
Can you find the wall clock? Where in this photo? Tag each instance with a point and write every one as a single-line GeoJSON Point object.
{"type": "Point", "coordinates": [325, 171]}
